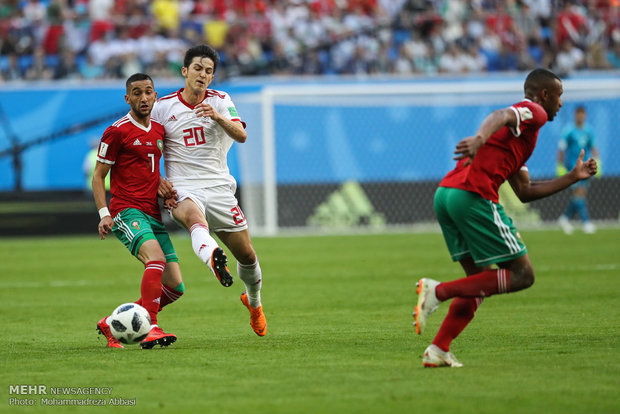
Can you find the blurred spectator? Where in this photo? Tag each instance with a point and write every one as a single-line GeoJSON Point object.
{"type": "Point", "coordinates": [90, 70]}
{"type": "Point", "coordinates": [613, 56]}
{"type": "Point", "coordinates": [403, 65]}
{"type": "Point", "coordinates": [569, 58]}
{"type": "Point", "coordinates": [39, 70]}
{"type": "Point", "coordinates": [67, 67]}
{"type": "Point", "coordinates": [12, 71]}
{"type": "Point", "coordinates": [454, 61]}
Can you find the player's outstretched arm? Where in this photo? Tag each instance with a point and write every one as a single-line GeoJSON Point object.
{"type": "Point", "coordinates": [528, 190]}
{"type": "Point", "coordinates": [468, 147]}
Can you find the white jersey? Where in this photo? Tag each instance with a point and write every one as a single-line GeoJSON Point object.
{"type": "Point", "coordinates": [195, 149]}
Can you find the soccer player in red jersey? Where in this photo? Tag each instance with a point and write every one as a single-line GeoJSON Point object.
{"type": "Point", "coordinates": [131, 149]}
{"type": "Point", "coordinates": [476, 229]}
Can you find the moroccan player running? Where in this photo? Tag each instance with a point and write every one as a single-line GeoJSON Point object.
{"type": "Point", "coordinates": [476, 229]}
{"type": "Point", "coordinates": [131, 149]}
{"type": "Point", "coordinates": [201, 125]}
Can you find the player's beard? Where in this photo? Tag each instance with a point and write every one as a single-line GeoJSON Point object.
{"type": "Point", "coordinates": [142, 113]}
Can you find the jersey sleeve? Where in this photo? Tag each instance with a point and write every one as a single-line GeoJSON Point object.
{"type": "Point", "coordinates": [529, 116]}
{"type": "Point", "coordinates": [229, 111]}
{"type": "Point", "coordinates": [109, 146]}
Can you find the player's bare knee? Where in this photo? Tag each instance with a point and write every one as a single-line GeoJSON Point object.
{"type": "Point", "coordinates": [246, 256]}
{"type": "Point", "coordinates": [521, 278]}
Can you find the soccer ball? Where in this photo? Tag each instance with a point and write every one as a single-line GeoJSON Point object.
{"type": "Point", "coordinates": [130, 323]}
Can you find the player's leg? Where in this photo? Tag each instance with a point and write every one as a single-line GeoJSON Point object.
{"type": "Point", "coordinates": [134, 229]}
{"type": "Point", "coordinates": [152, 256]}
{"type": "Point", "coordinates": [190, 213]}
{"type": "Point", "coordinates": [581, 207]}
{"type": "Point", "coordinates": [487, 235]}
{"type": "Point", "coordinates": [137, 231]}
{"type": "Point", "coordinates": [171, 281]}
{"type": "Point", "coordinates": [172, 286]}
{"type": "Point", "coordinates": [231, 228]}
{"type": "Point", "coordinates": [461, 311]}
{"type": "Point", "coordinates": [249, 271]}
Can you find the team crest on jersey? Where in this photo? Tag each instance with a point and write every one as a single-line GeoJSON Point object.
{"type": "Point", "coordinates": [525, 113]}
{"type": "Point", "coordinates": [160, 145]}
{"type": "Point", "coordinates": [135, 225]}
{"type": "Point", "coordinates": [232, 111]}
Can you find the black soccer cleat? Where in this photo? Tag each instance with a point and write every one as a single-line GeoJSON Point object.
{"type": "Point", "coordinates": [218, 264]}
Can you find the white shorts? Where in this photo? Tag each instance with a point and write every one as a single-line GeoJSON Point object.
{"type": "Point", "coordinates": [219, 206]}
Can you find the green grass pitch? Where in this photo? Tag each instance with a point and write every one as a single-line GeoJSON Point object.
{"type": "Point", "coordinates": [340, 338]}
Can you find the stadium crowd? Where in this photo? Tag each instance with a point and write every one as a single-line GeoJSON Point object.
{"type": "Point", "coordinates": [99, 39]}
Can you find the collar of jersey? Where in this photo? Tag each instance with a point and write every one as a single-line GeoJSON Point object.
{"type": "Point", "coordinates": [183, 100]}
{"type": "Point", "coordinates": [139, 125]}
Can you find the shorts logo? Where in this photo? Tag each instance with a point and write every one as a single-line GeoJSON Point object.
{"type": "Point", "coordinates": [232, 111]}
{"type": "Point", "coordinates": [136, 225]}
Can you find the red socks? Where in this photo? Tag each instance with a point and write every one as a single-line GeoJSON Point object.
{"type": "Point", "coordinates": [168, 295]}
{"type": "Point", "coordinates": [483, 284]}
{"type": "Point", "coordinates": [151, 288]}
{"type": "Point", "coordinates": [468, 294]}
{"type": "Point", "coordinates": [459, 315]}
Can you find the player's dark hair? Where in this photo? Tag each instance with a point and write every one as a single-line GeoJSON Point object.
{"type": "Point", "coordinates": [201, 51]}
{"type": "Point", "coordinates": [539, 79]}
{"type": "Point", "coordinates": [137, 77]}
{"type": "Point", "coordinates": [580, 108]}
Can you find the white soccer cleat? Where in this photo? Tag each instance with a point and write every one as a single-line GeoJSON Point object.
{"type": "Point", "coordinates": [427, 303]}
{"type": "Point", "coordinates": [589, 227]}
{"type": "Point", "coordinates": [565, 225]}
{"type": "Point", "coordinates": [434, 357]}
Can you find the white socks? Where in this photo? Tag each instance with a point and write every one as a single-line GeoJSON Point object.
{"type": "Point", "coordinates": [202, 243]}
{"type": "Point", "coordinates": [252, 279]}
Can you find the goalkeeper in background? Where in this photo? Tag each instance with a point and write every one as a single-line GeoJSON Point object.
{"type": "Point", "coordinates": [576, 136]}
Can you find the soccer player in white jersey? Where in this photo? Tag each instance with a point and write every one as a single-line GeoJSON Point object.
{"type": "Point", "coordinates": [200, 127]}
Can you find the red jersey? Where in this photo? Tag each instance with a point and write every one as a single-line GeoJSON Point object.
{"type": "Point", "coordinates": [503, 155]}
{"type": "Point", "coordinates": [134, 152]}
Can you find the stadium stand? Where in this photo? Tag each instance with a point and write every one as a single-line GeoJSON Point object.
{"type": "Point", "coordinates": [108, 39]}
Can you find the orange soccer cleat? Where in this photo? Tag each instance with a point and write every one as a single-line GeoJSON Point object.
{"type": "Point", "coordinates": [257, 317]}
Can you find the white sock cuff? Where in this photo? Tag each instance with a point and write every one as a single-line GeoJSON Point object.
{"type": "Point", "coordinates": [251, 266]}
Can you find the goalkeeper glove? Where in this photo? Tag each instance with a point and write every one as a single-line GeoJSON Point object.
{"type": "Point", "coordinates": [560, 170]}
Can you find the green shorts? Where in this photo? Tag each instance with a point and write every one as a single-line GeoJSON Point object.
{"type": "Point", "coordinates": [133, 228]}
{"type": "Point", "coordinates": [475, 227]}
